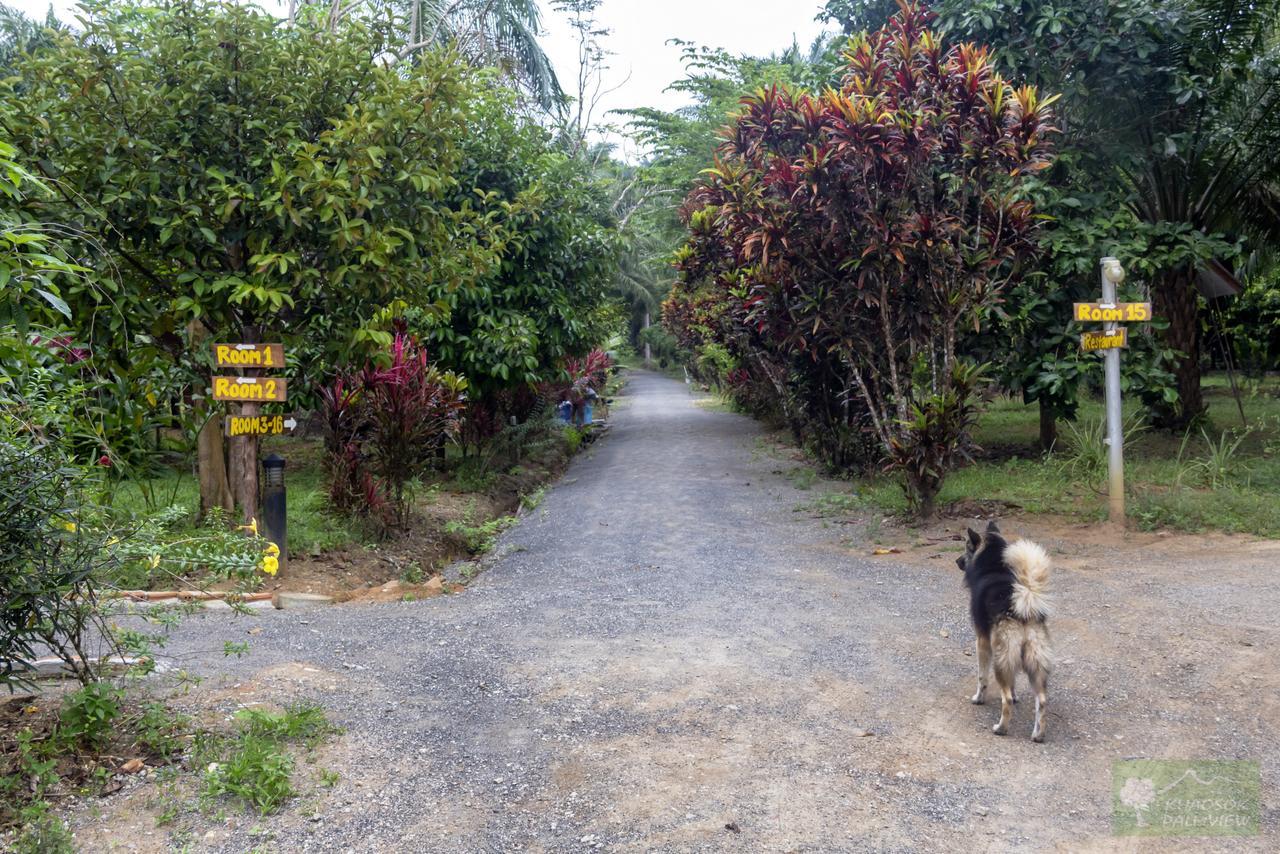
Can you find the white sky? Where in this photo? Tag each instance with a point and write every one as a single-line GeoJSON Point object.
{"type": "Point", "coordinates": [643, 64]}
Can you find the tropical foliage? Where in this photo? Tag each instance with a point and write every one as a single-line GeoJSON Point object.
{"type": "Point", "coordinates": [845, 240]}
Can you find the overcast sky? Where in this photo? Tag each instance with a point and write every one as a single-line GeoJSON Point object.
{"type": "Point", "coordinates": [643, 64]}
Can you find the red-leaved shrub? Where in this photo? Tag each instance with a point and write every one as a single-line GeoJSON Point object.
{"type": "Point", "coordinates": [385, 426]}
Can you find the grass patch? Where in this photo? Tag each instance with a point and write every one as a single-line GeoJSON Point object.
{"type": "Point", "coordinates": [1220, 477]}
{"type": "Point", "coordinates": [255, 765]}
{"type": "Point", "coordinates": [312, 528]}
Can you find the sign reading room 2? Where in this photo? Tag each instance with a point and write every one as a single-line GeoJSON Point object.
{"type": "Point", "coordinates": [250, 389]}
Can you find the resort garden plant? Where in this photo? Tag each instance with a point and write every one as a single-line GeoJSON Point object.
{"type": "Point", "coordinates": [845, 241]}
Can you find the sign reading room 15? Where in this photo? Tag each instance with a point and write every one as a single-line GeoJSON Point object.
{"type": "Point", "coordinates": [1122, 312]}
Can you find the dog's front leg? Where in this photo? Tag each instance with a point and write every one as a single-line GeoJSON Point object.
{"type": "Point", "coordinates": [984, 668]}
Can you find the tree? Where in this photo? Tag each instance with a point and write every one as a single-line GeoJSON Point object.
{"type": "Point", "coordinates": [259, 178]}
{"type": "Point", "coordinates": [501, 34]}
{"type": "Point", "coordinates": [860, 231]}
{"type": "Point", "coordinates": [1177, 106]}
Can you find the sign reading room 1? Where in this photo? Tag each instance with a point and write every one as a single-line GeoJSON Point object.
{"type": "Point", "coordinates": [1121, 312]}
{"type": "Point", "coordinates": [250, 389]}
{"type": "Point", "coordinates": [249, 355]}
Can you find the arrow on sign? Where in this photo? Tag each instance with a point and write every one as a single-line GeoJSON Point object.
{"type": "Point", "coordinates": [290, 423]}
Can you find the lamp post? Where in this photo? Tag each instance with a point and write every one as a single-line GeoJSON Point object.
{"type": "Point", "coordinates": [274, 507]}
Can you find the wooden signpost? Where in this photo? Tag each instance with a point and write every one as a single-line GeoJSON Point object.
{"type": "Point", "coordinates": [245, 423]}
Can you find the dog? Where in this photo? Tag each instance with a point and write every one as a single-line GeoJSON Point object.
{"type": "Point", "coordinates": [1008, 586]}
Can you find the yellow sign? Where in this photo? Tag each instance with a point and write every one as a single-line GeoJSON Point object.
{"type": "Point", "coordinates": [258, 425]}
{"type": "Point", "coordinates": [1091, 341]}
{"type": "Point", "coordinates": [249, 355]}
{"type": "Point", "coordinates": [250, 389]}
{"type": "Point", "coordinates": [1122, 312]}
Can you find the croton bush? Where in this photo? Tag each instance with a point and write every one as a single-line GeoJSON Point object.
{"type": "Point", "coordinates": [386, 425]}
{"type": "Point", "coordinates": [845, 241]}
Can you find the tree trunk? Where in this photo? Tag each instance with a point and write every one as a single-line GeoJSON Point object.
{"type": "Point", "coordinates": [648, 354]}
{"type": "Point", "coordinates": [211, 462]}
{"type": "Point", "coordinates": [1177, 301]}
{"type": "Point", "coordinates": [211, 468]}
{"type": "Point", "coordinates": [1048, 428]}
{"type": "Point", "coordinates": [243, 468]}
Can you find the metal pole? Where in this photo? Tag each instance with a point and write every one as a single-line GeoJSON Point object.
{"type": "Point", "coordinates": [1112, 274]}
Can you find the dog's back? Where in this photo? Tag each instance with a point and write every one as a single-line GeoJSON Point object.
{"type": "Point", "coordinates": [1008, 601]}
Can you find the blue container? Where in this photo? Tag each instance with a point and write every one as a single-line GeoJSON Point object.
{"type": "Point", "coordinates": [565, 410]}
{"type": "Point", "coordinates": [586, 413]}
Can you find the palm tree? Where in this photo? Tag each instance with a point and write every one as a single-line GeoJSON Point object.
{"type": "Point", "coordinates": [1204, 157]}
{"type": "Point", "coordinates": [501, 34]}
{"type": "Point", "coordinates": [1173, 107]}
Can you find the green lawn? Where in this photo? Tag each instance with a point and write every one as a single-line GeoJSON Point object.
{"type": "Point", "coordinates": [1189, 485]}
{"type": "Point", "coordinates": [311, 528]}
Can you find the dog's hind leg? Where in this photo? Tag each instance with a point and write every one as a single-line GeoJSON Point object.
{"type": "Point", "coordinates": [1037, 661]}
{"type": "Point", "coordinates": [1004, 681]}
{"type": "Point", "coordinates": [1039, 681]}
{"type": "Point", "coordinates": [984, 667]}
{"type": "Point", "coordinates": [1005, 646]}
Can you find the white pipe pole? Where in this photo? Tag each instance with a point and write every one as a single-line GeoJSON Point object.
{"type": "Point", "coordinates": [1113, 274]}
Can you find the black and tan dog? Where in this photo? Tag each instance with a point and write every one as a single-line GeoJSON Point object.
{"type": "Point", "coordinates": [1007, 599]}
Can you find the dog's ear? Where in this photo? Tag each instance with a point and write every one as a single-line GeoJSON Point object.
{"type": "Point", "coordinates": [975, 539]}
{"type": "Point", "coordinates": [992, 527]}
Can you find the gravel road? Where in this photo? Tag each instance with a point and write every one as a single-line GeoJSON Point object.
{"type": "Point", "coordinates": [667, 656]}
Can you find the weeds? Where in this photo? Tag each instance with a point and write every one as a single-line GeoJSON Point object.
{"type": "Point", "coordinates": [478, 539]}
{"type": "Point", "coordinates": [254, 765]}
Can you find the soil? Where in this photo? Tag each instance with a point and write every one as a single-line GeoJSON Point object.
{"type": "Point", "coordinates": [387, 571]}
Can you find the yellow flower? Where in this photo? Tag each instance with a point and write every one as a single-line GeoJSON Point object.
{"type": "Point", "coordinates": [270, 565]}
{"type": "Point", "coordinates": [272, 549]}
{"type": "Point", "coordinates": [155, 561]}
{"type": "Point", "coordinates": [113, 541]}
{"type": "Point", "coordinates": [67, 526]}
{"type": "Point", "coordinates": [252, 527]}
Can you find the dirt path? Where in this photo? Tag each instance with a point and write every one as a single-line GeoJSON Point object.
{"type": "Point", "coordinates": [669, 647]}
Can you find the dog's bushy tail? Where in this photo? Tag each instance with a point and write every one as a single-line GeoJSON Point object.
{"type": "Point", "coordinates": [1030, 565]}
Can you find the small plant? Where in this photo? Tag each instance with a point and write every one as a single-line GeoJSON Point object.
{"type": "Point", "coordinates": [160, 731]}
{"type": "Point", "coordinates": [1083, 456]}
{"type": "Point", "coordinates": [254, 765]}
{"type": "Point", "coordinates": [573, 439]}
{"type": "Point", "coordinates": [413, 573]}
{"type": "Point", "coordinates": [478, 539]}
{"type": "Point", "coordinates": [89, 714]}
{"type": "Point", "coordinates": [530, 502]}
{"type": "Point", "coordinates": [1220, 463]}
{"type": "Point", "coordinates": [42, 832]}
{"type": "Point", "coordinates": [329, 778]}
{"type": "Point", "coordinates": [256, 770]}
